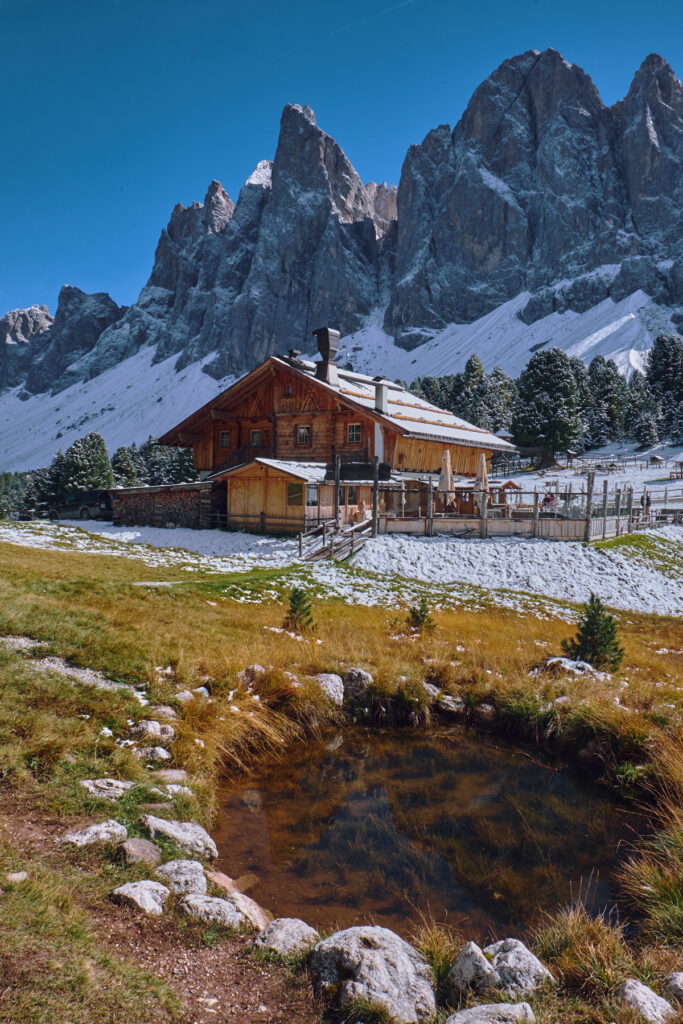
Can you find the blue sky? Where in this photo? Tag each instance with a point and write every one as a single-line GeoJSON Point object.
{"type": "Point", "coordinates": [114, 110]}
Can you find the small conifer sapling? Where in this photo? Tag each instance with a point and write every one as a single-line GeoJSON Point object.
{"type": "Point", "coordinates": [419, 617]}
{"type": "Point", "coordinates": [596, 638]}
{"type": "Point", "coordinates": [299, 617]}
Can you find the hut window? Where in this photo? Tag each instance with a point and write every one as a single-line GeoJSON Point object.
{"type": "Point", "coordinates": [355, 433]}
{"type": "Point", "coordinates": [224, 440]}
{"type": "Point", "coordinates": [288, 390]}
{"type": "Point", "coordinates": [255, 439]}
{"type": "Point", "coordinates": [303, 435]}
{"type": "Point", "coordinates": [312, 495]}
{"type": "Point", "coordinates": [295, 494]}
{"type": "Point", "coordinates": [351, 496]}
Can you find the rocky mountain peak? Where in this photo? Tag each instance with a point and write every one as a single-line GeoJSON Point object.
{"type": "Point", "coordinates": [218, 208]}
{"type": "Point", "coordinates": [20, 331]}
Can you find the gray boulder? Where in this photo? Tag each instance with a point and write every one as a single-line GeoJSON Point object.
{"type": "Point", "coordinates": [287, 935]}
{"type": "Point", "coordinates": [332, 686]}
{"type": "Point", "coordinates": [470, 970]}
{"type": "Point", "coordinates": [107, 789]}
{"type": "Point", "coordinates": [374, 964]}
{"type": "Point", "coordinates": [145, 895]}
{"type": "Point", "coordinates": [494, 1013]}
{"type": "Point", "coordinates": [673, 986]}
{"type": "Point", "coordinates": [431, 692]}
{"type": "Point", "coordinates": [190, 837]}
{"type": "Point", "coordinates": [234, 911]}
{"type": "Point", "coordinates": [152, 754]}
{"type": "Point", "coordinates": [103, 832]}
{"type": "Point", "coordinates": [356, 683]}
{"type": "Point", "coordinates": [646, 1002]}
{"type": "Point", "coordinates": [452, 707]}
{"type": "Point", "coordinates": [171, 775]}
{"type": "Point", "coordinates": [519, 971]}
{"type": "Point", "coordinates": [183, 876]}
{"type": "Point", "coordinates": [140, 851]}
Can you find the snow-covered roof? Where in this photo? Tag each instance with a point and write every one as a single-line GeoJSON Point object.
{"type": "Point", "coordinates": [414, 416]}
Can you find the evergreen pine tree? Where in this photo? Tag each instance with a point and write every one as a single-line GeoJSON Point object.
{"type": "Point", "coordinates": [677, 427]}
{"type": "Point", "coordinates": [596, 638]}
{"type": "Point", "coordinates": [125, 467]}
{"type": "Point", "coordinates": [86, 465]}
{"type": "Point", "coordinates": [646, 431]}
{"type": "Point", "coordinates": [546, 412]}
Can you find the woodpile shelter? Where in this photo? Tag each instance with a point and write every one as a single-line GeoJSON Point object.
{"type": "Point", "coordinates": [275, 436]}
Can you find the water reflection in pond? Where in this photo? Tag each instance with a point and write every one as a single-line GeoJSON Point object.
{"type": "Point", "coordinates": [379, 826]}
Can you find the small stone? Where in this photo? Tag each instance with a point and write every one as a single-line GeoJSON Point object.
{"type": "Point", "coordinates": [140, 851]}
{"type": "Point", "coordinates": [173, 789]}
{"type": "Point", "coordinates": [494, 1013]}
{"type": "Point", "coordinates": [185, 696]}
{"type": "Point", "coordinates": [222, 881]}
{"type": "Point", "coordinates": [16, 877]}
{"type": "Point", "coordinates": [148, 729]}
{"type": "Point", "coordinates": [332, 686]}
{"type": "Point", "coordinates": [252, 911]}
{"type": "Point", "coordinates": [520, 972]}
{"type": "Point", "coordinates": [431, 692]}
{"type": "Point", "coordinates": [106, 789]}
{"type": "Point", "coordinates": [171, 775]}
{"type": "Point", "coordinates": [183, 876]}
{"type": "Point", "coordinates": [164, 711]}
{"type": "Point", "coordinates": [450, 706]}
{"type": "Point", "coordinates": [202, 691]}
{"type": "Point", "coordinates": [190, 837]}
{"type": "Point", "coordinates": [673, 985]}
{"type": "Point", "coordinates": [470, 970]}
{"type": "Point", "coordinates": [648, 1004]}
{"type": "Point", "coordinates": [103, 832]}
{"type": "Point", "coordinates": [485, 714]}
{"type": "Point", "coordinates": [145, 895]}
{"type": "Point", "coordinates": [246, 881]}
{"type": "Point", "coordinates": [212, 910]}
{"type": "Point", "coordinates": [287, 935]}
{"type": "Point", "coordinates": [152, 754]}
{"type": "Point", "coordinates": [356, 683]}
{"type": "Point", "coordinates": [106, 732]}
{"type": "Point", "coordinates": [248, 676]}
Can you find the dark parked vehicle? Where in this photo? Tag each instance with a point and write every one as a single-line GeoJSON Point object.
{"type": "Point", "coordinates": [83, 505]}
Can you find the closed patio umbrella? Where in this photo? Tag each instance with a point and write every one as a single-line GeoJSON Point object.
{"type": "Point", "coordinates": [481, 481]}
{"type": "Point", "coordinates": [446, 475]}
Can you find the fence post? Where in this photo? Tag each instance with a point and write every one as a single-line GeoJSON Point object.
{"type": "Point", "coordinates": [629, 509]}
{"type": "Point", "coordinates": [430, 510]}
{"type": "Point", "coordinates": [536, 511]}
{"type": "Point", "coordinates": [590, 482]}
{"type": "Point", "coordinates": [375, 495]}
{"type": "Point", "coordinates": [337, 476]}
{"type": "Point", "coordinates": [483, 503]}
{"type": "Point", "coordinates": [618, 510]}
{"type": "Point", "coordinates": [301, 545]}
{"type": "Point", "coordinates": [604, 508]}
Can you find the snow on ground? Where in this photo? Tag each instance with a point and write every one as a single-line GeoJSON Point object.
{"type": "Point", "coordinates": [395, 570]}
{"type": "Point", "coordinates": [563, 570]}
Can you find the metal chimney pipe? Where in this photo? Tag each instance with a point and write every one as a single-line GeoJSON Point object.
{"type": "Point", "coordinates": [382, 395]}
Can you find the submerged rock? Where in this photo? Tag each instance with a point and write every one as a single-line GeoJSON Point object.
{"type": "Point", "coordinates": [287, 935]}
{"type": "Point", "coordinates": [494, 1013]}
{"type": "Point", "coordinates": [375, 964]}
{"type": "Point", "coordinates": [104, 832]}
{"type": "Point", "coordinates": [183, 876]}
{"type": "Point", "coordinates": [145, 895]}
{"type": "Point", "coordinates": [641, 998]}
{"type": "Point", "coordinates": [519, 971]}
{"type": "Point", "coordinates": [190, 837]}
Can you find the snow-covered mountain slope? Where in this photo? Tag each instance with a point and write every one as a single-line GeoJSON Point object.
{"type": "Point", "coordinates": [134, 399]}
{"type": "Point", "coordinates": [138, 397]}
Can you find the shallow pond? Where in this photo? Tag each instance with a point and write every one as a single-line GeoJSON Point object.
{"type": "Point", "coordinates": [383, 826]}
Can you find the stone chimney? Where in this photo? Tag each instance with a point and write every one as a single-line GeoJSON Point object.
{"type": "Point", "coordinates": [328, 346]}
{"type": "Point", "coordinates": [381, 395]}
